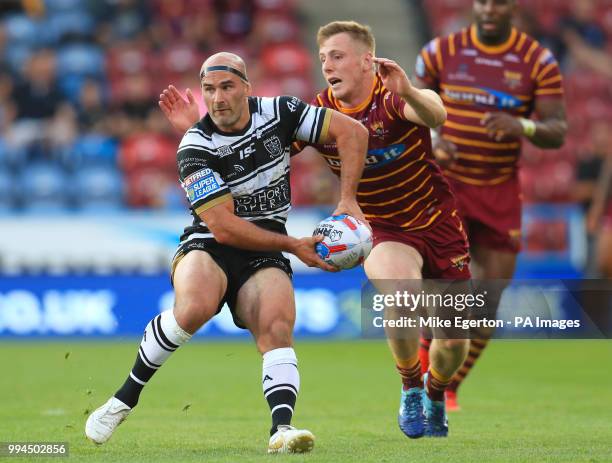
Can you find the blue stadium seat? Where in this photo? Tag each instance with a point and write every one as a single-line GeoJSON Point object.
{"type": "Point", "coordinates": [80, 59]}
{"type": "Point", "coordinates": [12, 157]}
{"type": "Point", "coordinates": [43, 187]}
{"type": "Point", "coordinates": [71, 86]}
{"type": "Point", "coordinates": [98, 188]}
{"type": "Point", "coordinates": [72, 22]}
{"type": "Point", "coordinates": [16, 55]}
{"type": "Point", "coordinates": [21, 30]}
{"type": "Point", "coordinates": [56, 6]}
{"type": "Point", "coordinates": [94, 148]}
{"type": "Point", "coordinates": [7, 191]}
{"type": "Point", "coordinates": [4, 154]}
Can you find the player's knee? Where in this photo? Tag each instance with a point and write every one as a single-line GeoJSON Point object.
{"type": "Point", "coordinates": [192, 314]}
{"type": "Point", "coordinates": [276, 334]}
{"type": "Point", "coordinates": [457, 346]}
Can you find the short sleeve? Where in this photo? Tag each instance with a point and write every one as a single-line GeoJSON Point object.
{"type": "Point", "coordinates": [548, 79]}
{"type": "Point", "coordinates": [426, 65]}
{"type": "Point", "coordinates": [203, 185]}
{"type": "Point", "coordinates": [311, 123]}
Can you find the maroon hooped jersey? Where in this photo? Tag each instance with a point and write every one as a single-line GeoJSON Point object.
{"type": "Point", "coordinates": [401, 185]}
{"type": "Point", "coordinates": [473, 79]}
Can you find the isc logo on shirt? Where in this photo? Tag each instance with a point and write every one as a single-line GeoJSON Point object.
{"type": "Point", "coordinates": [200, 184]}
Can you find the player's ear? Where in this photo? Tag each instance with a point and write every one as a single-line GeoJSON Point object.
{"type": "Point", "coordinates": [368, 61]}
{"type": "Point", "coordinates": [248, 88]}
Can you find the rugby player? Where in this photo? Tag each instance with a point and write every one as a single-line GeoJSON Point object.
{"type": "Point", "coordinates": [492, 79]}
{"type": "Point", "coordinates": [234, 167]}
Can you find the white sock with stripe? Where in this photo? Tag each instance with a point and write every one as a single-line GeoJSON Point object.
{"type": "Point", "coordinates": [161, 338]}
{"type": "Point", "coordinates": [281, 384]}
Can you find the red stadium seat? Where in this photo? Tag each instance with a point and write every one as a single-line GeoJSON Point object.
{"type": "Point", "coordinates": [146, 151]}
{"type": "Point", "coordinates": [285, 59]}
{"type": "Point", "coordinates": [150, 188]}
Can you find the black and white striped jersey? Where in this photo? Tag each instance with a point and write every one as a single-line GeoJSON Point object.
{"type": "Point", "coordinates": [250, 166]}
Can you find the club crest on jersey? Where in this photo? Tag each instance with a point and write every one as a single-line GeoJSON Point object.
{"type": "Point", "coordinates": [512, 79]}
{"type": "Point", "coordinates": [378, 129]}
{"type": "Point", "coordinates": [460, 262]}
{"type": "Point", "coordinates": [273, 146]}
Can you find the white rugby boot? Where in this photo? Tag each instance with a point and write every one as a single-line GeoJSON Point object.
{"type": "Point", "coordinates": [287, 439]}
{"type": "Point", "coordinates": [102, 422]}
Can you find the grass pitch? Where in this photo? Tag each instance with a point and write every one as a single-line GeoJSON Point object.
{"type": "Point", "coordinates": [525, 401]}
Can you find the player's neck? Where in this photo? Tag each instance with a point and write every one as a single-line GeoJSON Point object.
{"type": "Point", "coordinates": [360, 95]}
{"type": "Point", "coordinates": [499, 40]}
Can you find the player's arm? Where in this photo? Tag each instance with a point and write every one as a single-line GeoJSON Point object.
{"type": "Point", "coordinates": [424, 107]}
{"type": "Point", "coordinates": [231, 230]}
{"type": "Point", "coordinates": [351, 139]}
{"type": "Point", "coordinates": [181, 113]}
{"type": "Point", "coordinates": [546, 132]}
{"type": "Point", "coordinates": [549, 130]}
{"type": "Point", "coordinates": [317, 125]}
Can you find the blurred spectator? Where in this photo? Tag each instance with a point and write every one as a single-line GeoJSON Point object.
{"type": "Point", "coordinates": [91, 109]}
{"type": "Point", "coordinates": [234, 18]}
{"type": "Point", "coordinates": [30, 7]}
{"type": "Point", "coordinates": [38, 95]}
{"type": "Point", "coordinates": [43, 118]}
{"type": "Point", "coordinates": [587, 56]}
{"type": "Point", "coordinates": [191, 21]}
{"type": "Point", "coordinates": [580, 26]}
{"type": "Point", "coordinates": [134, 100]}
{"type": "Point", "coordinates": [591, 163]}
{"type": "Point", "coordinates": [7, 107]}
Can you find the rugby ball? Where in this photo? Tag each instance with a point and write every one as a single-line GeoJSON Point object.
{"type": "Point", "coordinates": [347, 241]}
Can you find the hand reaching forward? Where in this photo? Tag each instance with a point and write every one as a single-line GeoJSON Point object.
{"type": "Point", "coordinates": [181, 113]}
{"type": "Point", "coordinates": [393, 76]}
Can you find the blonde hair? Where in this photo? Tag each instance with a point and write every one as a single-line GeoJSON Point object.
{"type": "Point", "coordinates": [357, 31]}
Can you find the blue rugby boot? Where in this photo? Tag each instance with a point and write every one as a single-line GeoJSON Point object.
{"type": "Point", "coordinates": [411, 418]}
{"type": "Point", "coordinates": [436, 422]}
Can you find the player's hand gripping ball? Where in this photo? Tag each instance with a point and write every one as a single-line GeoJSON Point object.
{"type": "Point", "coordinates": [347, 241]}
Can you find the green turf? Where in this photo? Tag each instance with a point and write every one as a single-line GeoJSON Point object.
{"type": "Point", "coordinates": [526, 401]}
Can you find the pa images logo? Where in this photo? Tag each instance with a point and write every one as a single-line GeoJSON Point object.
{"type": "Point", "coordinates": [273, 146]}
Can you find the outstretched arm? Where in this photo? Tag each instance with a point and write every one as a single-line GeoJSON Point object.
{"type": "Point", "coordinates": [181, 113]}
{"type": "Point", "coordinates": [424, 106]}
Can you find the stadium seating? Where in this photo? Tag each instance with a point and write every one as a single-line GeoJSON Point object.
{"type": "Point", "coordinates": [89, 45]}
{"type": "Point", "coordinates": [94, 148]}
{"type": "Point", "coordinates": [98, 188]}
{"type": "Point", "coordinates": [43, 187]}
{"type": "Point", "coordinates": [108, 42]}
{"type": "Point", "coordinates": [7, 191]}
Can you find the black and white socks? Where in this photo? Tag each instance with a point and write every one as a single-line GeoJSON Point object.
{"type": "Point", "coordinates": [281, 384]}
{"type": "Point", "coordinates": [162, 336]}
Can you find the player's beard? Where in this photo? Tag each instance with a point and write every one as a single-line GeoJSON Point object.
{"type": "Point", "coordinates": [227, 119]}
